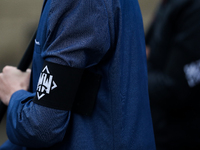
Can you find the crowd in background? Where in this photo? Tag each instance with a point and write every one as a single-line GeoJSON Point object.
{"type": "Point", "coordinates": [173, 57]}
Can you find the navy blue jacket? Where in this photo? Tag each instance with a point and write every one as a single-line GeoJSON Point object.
{"type": "Point", "coordinates": [82, 34]}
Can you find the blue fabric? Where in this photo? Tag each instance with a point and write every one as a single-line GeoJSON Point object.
{"type": "Point", "coordinates": [10, 146]}
{"type": "Point", "coordinates": [83, 34]}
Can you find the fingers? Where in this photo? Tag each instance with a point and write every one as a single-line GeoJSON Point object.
{"type": "Point", "coordinates": [28, 70]}
{"type": "Point", "coordinates": [7, 69]}
{"type": "Point", "coordinates": [14, 70]}
{"type": "Point", "coordinates": [3, 94]}
{"type": "Point", "coordinates": [12, 80]}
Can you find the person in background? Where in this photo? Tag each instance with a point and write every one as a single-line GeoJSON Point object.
{"type": "Point", "coordinates": [173, 54]}
{"type": "Point", "coordinates": [88, 86]}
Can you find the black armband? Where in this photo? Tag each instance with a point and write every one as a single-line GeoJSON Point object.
{"type": "Point", "coordinates": [66, 88]}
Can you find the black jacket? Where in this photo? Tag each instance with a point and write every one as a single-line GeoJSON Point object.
{"type": "Point", "coordinates": [174, 74]}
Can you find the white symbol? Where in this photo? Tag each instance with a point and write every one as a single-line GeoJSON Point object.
{"type": "Point", "coordinates": [45, 83]}
{"type": "Point", "coordinates": [37, 42]}
{"type": "Point", "coordinates": [192, 72]}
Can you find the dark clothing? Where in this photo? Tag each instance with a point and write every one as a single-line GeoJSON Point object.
{"type": "Point", "coordinates": [107, 38]}
{"type": "Point", "coordinates": [174, 74]}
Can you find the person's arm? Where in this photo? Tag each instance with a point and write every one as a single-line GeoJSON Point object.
{"type": "Point", "coordinates": [32, 125]}
{"type": "Point", "coordinates": [78, 37]}
{"type": "Point", "coordinates": [13, 92]}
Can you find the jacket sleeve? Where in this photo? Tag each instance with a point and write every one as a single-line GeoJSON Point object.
{"type": "Point", "coordinates": [32, 125]}
{"type": "Point", "coordinates": [77, 36]}
{"type": "Point", "coordinates": [82, 37]}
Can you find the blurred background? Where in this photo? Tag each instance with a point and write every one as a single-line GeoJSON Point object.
{"type": "Point", "coordinates": [18, 22]}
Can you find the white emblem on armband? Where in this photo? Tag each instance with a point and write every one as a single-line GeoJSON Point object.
{"type": "Point", "coordinates": [45, 83]}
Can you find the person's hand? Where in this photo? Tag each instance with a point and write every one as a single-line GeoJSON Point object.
{"type": "Point", "coordinates": [12, 80]}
